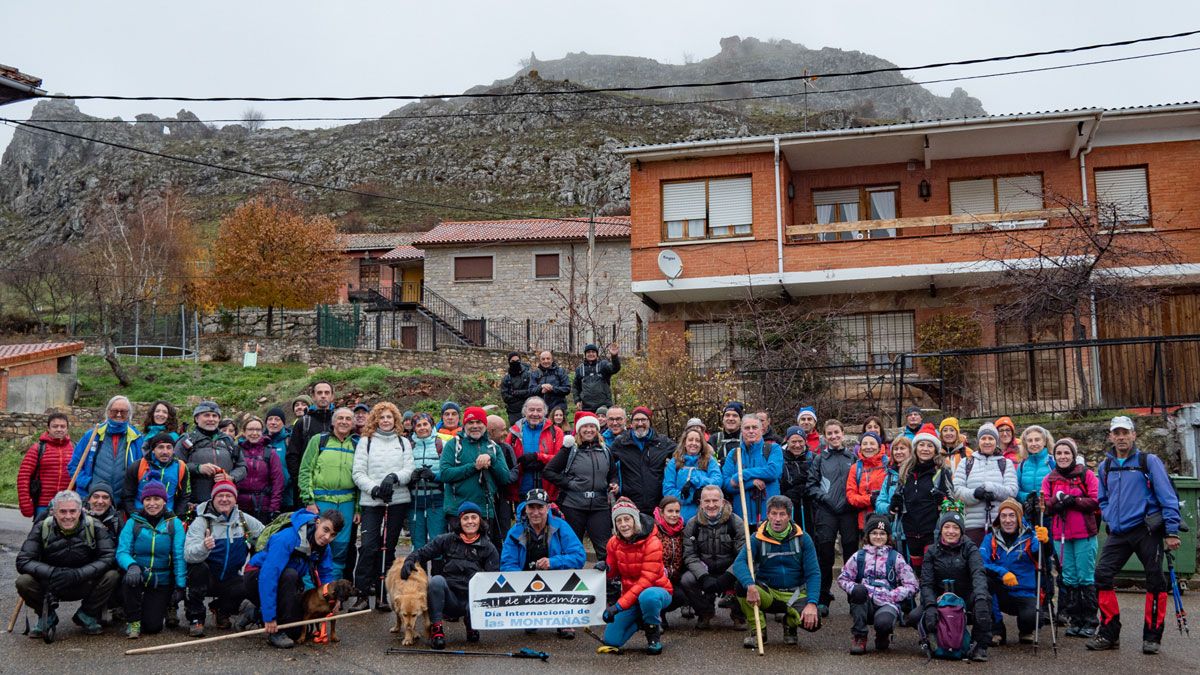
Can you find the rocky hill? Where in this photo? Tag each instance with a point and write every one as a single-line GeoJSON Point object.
{"type": "Point", "coordinates": [502, 156]}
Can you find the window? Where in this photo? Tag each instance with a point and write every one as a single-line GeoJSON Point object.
{"type": "Point", "coordinates": [1033, 375]}
{"type": "Point", "coordinates": [704, 209]}
{"type": "Point", "coordinates": [545, 266]}
{"type": "Point", "coordinates": [874, 340]}
{"type": "Point", "coordinates": [473, 268]}
{"type": "Point", "coordinates": [849, 204]}
{"type": "Point", "coordinates": [713, 346]}
{"type": "Point", "coordinates": [368, 276]}
{"type": "Point", "coordinates": [1001, 194]}
{"type": "Point", "coordinates": [1122, 196]}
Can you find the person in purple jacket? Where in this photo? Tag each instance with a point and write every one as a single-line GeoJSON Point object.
{"type": "Point", "coordinates": [260, 492]}
{"type": "Point", "coordinates": [876, 580]}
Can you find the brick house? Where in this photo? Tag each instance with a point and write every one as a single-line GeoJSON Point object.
{"type": "Point", "coordinates": [366, 270]}
{"type": "Point", "coordinates": [900, 222]}
{"type": "Point", "coordinates": [38, 376]}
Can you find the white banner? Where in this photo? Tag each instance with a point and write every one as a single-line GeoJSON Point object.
{"type": "Point", "coordinates": [536, 599]}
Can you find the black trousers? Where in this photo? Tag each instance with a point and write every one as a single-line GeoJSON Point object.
{"type": "Point", "coordinates": [287, 598]}
{"type": "Point", "coordinates": [597, 525]}
{"type": "Point", "coordinates": [1116, 552]}
{"type": "Point", "coordinates": [369, 571]}
{"type": "Point", "coordinates": [94, 592]}
{"type": "Point", "coordinates": [1025, 609]}
{"type": "Point", "coordinates": [829, 527]}
{"type": "Point", "coordinates": [148, 604]}
{"type": "Point", "coordinates": [869, 613]}
{"type": "Point", "coordinates": [228, 593]}
{"type": "Point", "coordinates": [693, 590]}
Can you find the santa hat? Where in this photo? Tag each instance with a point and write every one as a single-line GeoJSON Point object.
{"type": "Point", "coordinates": [584, 418]}
{"type": "Point", "coordinates": [928, 433]}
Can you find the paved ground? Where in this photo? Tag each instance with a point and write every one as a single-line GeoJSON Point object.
{"type": "Point", "coordinates": [364, 641]}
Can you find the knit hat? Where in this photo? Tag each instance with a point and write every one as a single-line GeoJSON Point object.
{"type": "Point", "coordinates": [469, 507]}
{"type": "Point", "coordinates": [474, 413]}
{"type": "Point", "coordinates": [950, 517]}
{"type": "Point", "coordinates": [408, 414]}
{"type": "Point", "coordinates": [100, 486]}
{"type": "Point", "coordinates": [512, 354]}
{"type": "Point", "coordinates": [206, 407]}
{"type": "Point", "coordinates": [877, 521]}
{"type": "Point", "coordinates": [584, 418]}
{"type": "Point", "coordinates": [451, 404]}
{"type": "Point", "coordinates": [624, 507]}
{"type": "Point", "coordinates": [602, 411]}
{"type": "Point", "coordinates": [1006, 421]}
{"type": "Point", "coordinates": [988, 429]}
{"type": "Point", "coordinates": [949, 422]}
{"type": "Point", "coordinates": [303, 398]}
{"type": "Point", "coordinates": [277, 412]}
{"type": "Point", "coordinates": [927, 433]}
{"type": "Point", "coordinates": [809, 411]}
{"type": "Point", "coordinates": [871, 434]}
{"type": "Point", "coordinates": [735, 406]}
{"type": "Point", "coordinates": [695, 422]}
{"type": "Point", "coordinates": [154, 489]}
{"type": "Point", "coordinates": [160, 437]}
{"type": "Point", "coordinates": [793, 431]}
{"type": "Point", "coordinates": [912, 409]}
{"type": "Point", "coordinates": [643, 410]}
{"type": "Point", "coordinates": [589, 347]}
{"type": "Point", "coordinates": [224, 485]}
{"type": "Point", "coordinates": [1070, 443]}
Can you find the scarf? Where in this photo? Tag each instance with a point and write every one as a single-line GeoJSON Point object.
{"type": "Point", "coordinates": [469, 539]}
{"type": "Point", "coordinates": [777, 536]}
{"type": "Point", "coordinates": [115, 428]}
{"type": "Point", "coordinates": [670, 530]}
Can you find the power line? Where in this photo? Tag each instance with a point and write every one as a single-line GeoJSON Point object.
{"type": "Point", "coordinates": [656, 104]}
{"type": "Point", "coordinates": [630, 88]}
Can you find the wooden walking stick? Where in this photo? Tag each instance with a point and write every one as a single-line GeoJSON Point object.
{"type": "Point", "coordinates": [749, 556]}
{"type": "Point", "coordinates": [12, 621]}
{"type": "Point", "coordinates": [233, 636]}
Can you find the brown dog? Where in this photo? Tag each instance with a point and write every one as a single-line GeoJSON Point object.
{"type": "Point", "coordinates": [408, 600]}
{"type": "Point", "coordinates": [322, 602]}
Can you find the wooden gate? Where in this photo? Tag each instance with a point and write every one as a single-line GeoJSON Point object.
{"type": "Point", "coordinates": [1127, 371]}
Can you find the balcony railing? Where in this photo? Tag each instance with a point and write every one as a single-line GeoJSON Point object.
{"type": "Point", "coordinates": [955, 224]}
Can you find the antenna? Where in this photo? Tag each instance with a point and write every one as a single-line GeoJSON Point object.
{"type": "Point", "coordinates": [670, 265]}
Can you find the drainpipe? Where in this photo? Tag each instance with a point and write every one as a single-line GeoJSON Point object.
{"type": "Point", "coordinates": [778, 216]}
{"type": "Point", "coordinates": [1083, 184]}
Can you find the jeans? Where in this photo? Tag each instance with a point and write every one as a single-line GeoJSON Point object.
{"type": "Point", "coordinates": [647, 611]}
{"type": "Point", "coordinates": [202, 583]}
{"type": "Point", "coordinates": [287, 598]}
{"type": "Point", "coordinates": [1117, 550]}
{"type": "Point", "coordinates": [369, 572]}
{"type": "Point", "coordinates": [1078, 557]}
{"type": "Point", "coordinates": [425, 520]}
{"type": "Point", "coordinates": [443, 601]}
{"type": "Point", "coordinates": [94, 592]}
{"type": "Point", "coordinates": [829, 526]}
{"type": "Point", "coordinates": [341, 543]}
{"type": "Point", "coordinates": [868, 613]}
{"type": "Point", "coordinates": [597, 525]}
{"type": "Point", "coordinates": [147, 604]}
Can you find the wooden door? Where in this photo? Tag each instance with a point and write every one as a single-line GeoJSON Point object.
{"type": "Point", "coordinates": [1127, 371]}
{"type": "Point", "coordinates": [410, 283]}
{"type": "Point", "coordinates": [408, 337]}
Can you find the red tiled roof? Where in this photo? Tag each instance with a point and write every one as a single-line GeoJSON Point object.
{"type": "Point", "coordinates": [371, 241]}
{"type": "Point", "coordinates": [402, 253]}
{"type": "Point", "coordinates": [532, 229]}
{"type": "Point", "coordinates": [13, 355]}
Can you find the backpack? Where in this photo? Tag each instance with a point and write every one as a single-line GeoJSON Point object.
{"type": "Point", "coordinates": [1108, 465]}
{"type": "Point", "coordinates": [951, 640]}
{"type": "Point", "coordinates": [144, 466]}
{"type": "Point", "coordinates": [322, 444]}
{"type": "Point", "coordinates": [858, 469]}
{"type": "Point", "coordinates": [575, 449]}
{"type": "Point", "coordinates": [35, 483]}
{"type": "Point", "coordinates": [970, 464]}
{"type": "Point", "coordinates": [283, 520]}
{"type": "Point", "coordinates": [89, 530]}
{"type": "Point", "coordinates": [1028, 550]}
{"type": "Point", "coordinates": [245, 530]}
{"type": "Point", "coordinates": [891, 567]}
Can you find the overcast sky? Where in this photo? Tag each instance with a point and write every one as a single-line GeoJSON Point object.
{"type": "Point", "coordinates": [265, 48]}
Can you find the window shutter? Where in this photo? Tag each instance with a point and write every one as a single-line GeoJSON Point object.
{"type": "Point", "coordinates": [972, 196]}
{"type": "Point", "coordinates": [729, 202]}
{"type": "Point", "coordinates": [683, 201]}
{"type": "Point", "coordinates": [1125, 192]}
{"type": "Point", "coordinates": [828, 197]}
{"type": "Point", "coordinates": [473, 268]}
{"type": "Point", "coordinates": [545, 266]}
{"type": "Point", "coordinates": [1019, 193]}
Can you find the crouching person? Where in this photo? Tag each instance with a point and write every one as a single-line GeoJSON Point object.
{"type": "Point", "coordinates": [274, 579]}
{"type": "Point", "coordinates": [541, 541]}
{"type": "Point", "coordinates": [711, 540]}
{"type": "Point", "coordinates": [463, 552]}
{"type": "Point", "coordinates": [150, 551]}
{"type": "Point", "coordinates": [1010, 556]}
{"type": "Point", "coordinates": [877, 582]}
{"type": "Point", "coordinates": [787, 576]}
{"type": "Point", "coordinates": [67, 556]}
{"type": "Point", "coordinates": [215, 549]}
{"type": "Point", "coordinates": [952, 562]}
{"type": "Point", "coordinates": [635, 557]}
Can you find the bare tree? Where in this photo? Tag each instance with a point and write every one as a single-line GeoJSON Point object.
{"type": "Point", "coordinates": [253, 119]}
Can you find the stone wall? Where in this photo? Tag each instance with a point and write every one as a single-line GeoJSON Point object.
{"type": "Point", "coordinates": [450, 359]}
{"type": "Point", "coordinates": [289, 323]}
{"type": "Point", "coordinates": [25, 426]}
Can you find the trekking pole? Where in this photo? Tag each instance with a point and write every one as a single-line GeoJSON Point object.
{"type": "Point", "coordinates": [523, 653]}
{"type": "Point", "coordinates": [383, 548]}
{"type": "Point", "coordinates": [1037, 621]}
{"type": "Point", "coordinates": [592, 634]}
{"type": "Point", "coordinates": [1180, 613]}
{"type": "Point", "coordinates": [749, 555]}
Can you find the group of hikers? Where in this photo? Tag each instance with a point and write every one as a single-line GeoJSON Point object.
{"type": "Point", "coordinates": [934, 534]}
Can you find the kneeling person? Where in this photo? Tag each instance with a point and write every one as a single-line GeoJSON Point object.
{"type": "Point", "coordinates": [876, 580]}
{"type": "Point", "coordinates": [635, 557]}
{"type": "Point", "coordinates": [215, 549]}
{"type": "Point", "coordinates": [1010, 554]}
{"type": "Point", "coordinates": [150, 550]}
{"type": "Point", "coordinates": [787, 576]}
{"type": "Point", "coordinates": [541, 541]}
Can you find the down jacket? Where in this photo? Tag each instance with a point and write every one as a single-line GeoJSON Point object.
{"type": "Point", "coordinates": [565, 550]}
{"type": "Point", "coordinates": [960, 563]}
{"type": "Point", "coordinates": [460, 560]}
{"type": "Point", "coordinates": [197, 447]}
{"type": "Point", "coordinates": [233, 534]}
{"type": "Point", "coordinates": [990, 472]}
{"type": "Point", "coordinates": [289, 548]}
{"type": "Point", "coordinates": [709, 547]}
{"type": "Point", "coordinates": [685, 483]}
{"type": "Point", "coordinates": [863, 483]}
{"type": "Point", "coordinates": [638, 563]}
{"type": "Point", "coordinates": [89, 550]}
{"type": "Point", "coordinates": [1019, 557]}
{"type": "Point", "coordinates": [377, 456]}
{"type": "Point", "coordinates": [1078, 519]}
{"type": "Point", "coordinates": [157, 549]}
{"type": "Point", "coordinates": [583, 479]}
{"type": "Point", "coordinates": [51, 471]}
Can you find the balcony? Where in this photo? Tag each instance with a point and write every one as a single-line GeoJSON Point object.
{"type": "Point", "coordinates": [924, 226]}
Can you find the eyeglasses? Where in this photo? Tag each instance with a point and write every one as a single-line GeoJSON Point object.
{"type": "Point", "coordinates": [118, 412]}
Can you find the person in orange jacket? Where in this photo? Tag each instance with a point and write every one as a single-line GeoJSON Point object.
{"type": "Point", "coordinates": [1010, 447]}
{"type": "Point", "coordinates": [865, 479]}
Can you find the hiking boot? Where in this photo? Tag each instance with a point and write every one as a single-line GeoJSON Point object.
{"type": "Point", "coordinates": [686, 612]}
{"type": "Point", "coordinates": [1073, 631]}
{"type": "Point", "coordinates": [1149, 647]}
{"type": "Point", "coordinates": [437, 636]}
{"type": "Point", "coordinates": [196, 629]}
{"type": "Point", "coordinates": [736, 616]}
{"type": "Point", "coordinates": [360, 603]}
{"type": "Point", "coordinates": [280, 640]}
{"type": "Point", "coordinates": [979, 653]}
{"type": "Point", "coordinates": [858, 645]}
{"type": "Point", "coordinates": [133, 630]}
{"type": "Point", "coordinates": [246, 617]}
{"type": "Point", "coordinates": [89, 625]}
{"type": "Point", "coordinates": [221, 620]}
{"type": "Point", "coordinates": [36, 632]}
{"type": "Point", "coordinates": [883, 641]}
{"type": "Point", "coordinates": [49, 627]}
{"type": "Point", "coordinates": [1101, 643]}
{"type": "Point", "coordinates": [823, 610]}
{"type": "Point", "coordinates": [1086, 632]}
{"type": "Point", "coordinates": [1025, 638]}
{"type": "Point", "coordinates": [608, 649]}
{"type": "Point", "coordinates": [789, 635]}
{"type": "Point", "coordinates": [704, 622]}
{"type": "Point", "coordinates": [172, 617]}
{"type": "Point", "coordinates": [727, 601]}
{"type": "Point", "coordinates": [654, 644]}
{"type": "Point", "coordinates": [565, 633]}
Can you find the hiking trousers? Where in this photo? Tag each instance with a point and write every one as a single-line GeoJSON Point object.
{"type": "Point", "coordinates": [1118, 548]}
{"type": "Point", "coordinates": [866, 614]}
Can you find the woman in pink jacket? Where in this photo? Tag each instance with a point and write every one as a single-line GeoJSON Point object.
{"type": "Point", "coordinates": [877, 581]}
{"type": "Point", "coordinates": [1070, 494]}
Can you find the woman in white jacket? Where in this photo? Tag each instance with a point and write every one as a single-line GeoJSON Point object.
{"type": "Point", "coordinates": [982, 481]}
{"type": "Point", "coordinates": [383, 464]}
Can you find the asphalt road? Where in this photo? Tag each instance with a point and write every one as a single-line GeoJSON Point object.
{"type": "Point", "coordinates": [365, 640]}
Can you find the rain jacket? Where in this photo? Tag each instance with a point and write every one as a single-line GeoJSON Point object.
{"type": "Point", "coordinates": [557, 378]}
{"type": "Point", "coordinates": [327, 470]}
{"type": "Point", "coordinates": [157, 549]}
{"type": "Point", "coordinates": [289, 548]}
{"type": "Point", "coordinates": [592, 386]}
{"type": "Point", "coordinates": [827, 480]}
{"type": "Point", "coordinates": [51, 472]}
{"type": "Point", "coordinates": [1128, 496]}
{"type": "Point", "coordinates": [638, 564]}
{"type": "Point", "coordinates": [565, 550]}
{"type": "Point", "coordinates": [464, 483]}
{"type": "Point", "coordinates": [865, 478]}
{"type": "Point", "coordinates": [174, 476]}
{"type": "Point", "coordinates": [641, 463]}
{"type": "Point", "coordinates": [582, 475]}
{"type": "Point", "coordinates": [762, 461]}
{"type": "Point", "coordinates": [1077, 521]}
{"type": "Point", "coordinates": [233, 534]}
{"type": "Point", "coordinates": [790, 563]}
{"type": "Point", "coordinates": [685, 483]}
{"type": "Point", "coordinates": [1019, 557]}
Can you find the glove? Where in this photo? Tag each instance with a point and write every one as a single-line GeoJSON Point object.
{"type": "Point", "coordinates": [1009, 579]}
{"type": "Point", "coordinates": [930, 618]}
{"type": "Point", "coordinates": [611, 613]}
{"type": "Point", "coordinates": [980, 494]}
{"type": "Point", "coordinates": [710, 585]}
{"type": "Point", "coordinates": [133, 576]}
{"type": "Point", "coordinates": [600, 565]}
{"type": "Point", "coordinates": [63, 579]}
{"type": "Point", "coordinates": [386, 491]}
{"type": "Point", "coordinates": [874, 498]}
{"type": "Point", "coordinates": [407, 569]}
{"type": "Point", "coordinates": [685, 492]}
{"type": "Point", "coordinates": [1043, 535]}
{"type": "Point", "coordinates": [858, 594]}
{"type": "Point", "coordinates": [1065, 499]}
{"type": "Point", "coordinates": [426, 474]}
{"type": "Point", "coordinates": [391, 480]}
{"type": "Point", "coordinates": [376, 492]}
{"type": "Point", "coordinates": [897, 502]}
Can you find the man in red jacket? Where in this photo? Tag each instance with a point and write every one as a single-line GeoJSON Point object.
{"type": "Point", "coordinates": [43, 472]}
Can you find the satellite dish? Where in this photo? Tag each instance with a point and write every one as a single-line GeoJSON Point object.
{"type": "Point", "coordinates": [670, 265]}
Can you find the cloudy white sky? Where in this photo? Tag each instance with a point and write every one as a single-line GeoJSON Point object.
{"type": "Point", "coordinates": [273, 47]}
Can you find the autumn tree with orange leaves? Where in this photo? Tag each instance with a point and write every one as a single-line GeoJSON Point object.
{"type": "Point", "coordinates": [267, 254]}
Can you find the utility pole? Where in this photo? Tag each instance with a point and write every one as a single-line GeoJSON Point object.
{"type": "Point", "coordinates": [587, 287]}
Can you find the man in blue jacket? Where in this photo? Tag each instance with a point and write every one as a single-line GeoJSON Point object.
{"type": "Point", "coordinates": [108, 450]}
{"type": "Point", "coordinates": [762, 466]}
{"type": "Point", "coordinates": [787, 577]}
{"type": "Point", "coordinates": [541, 541]}
{"type": "Point", "coordinates": [275, 575]}
{"type": "Point", "coordinates": [1141, 509]}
